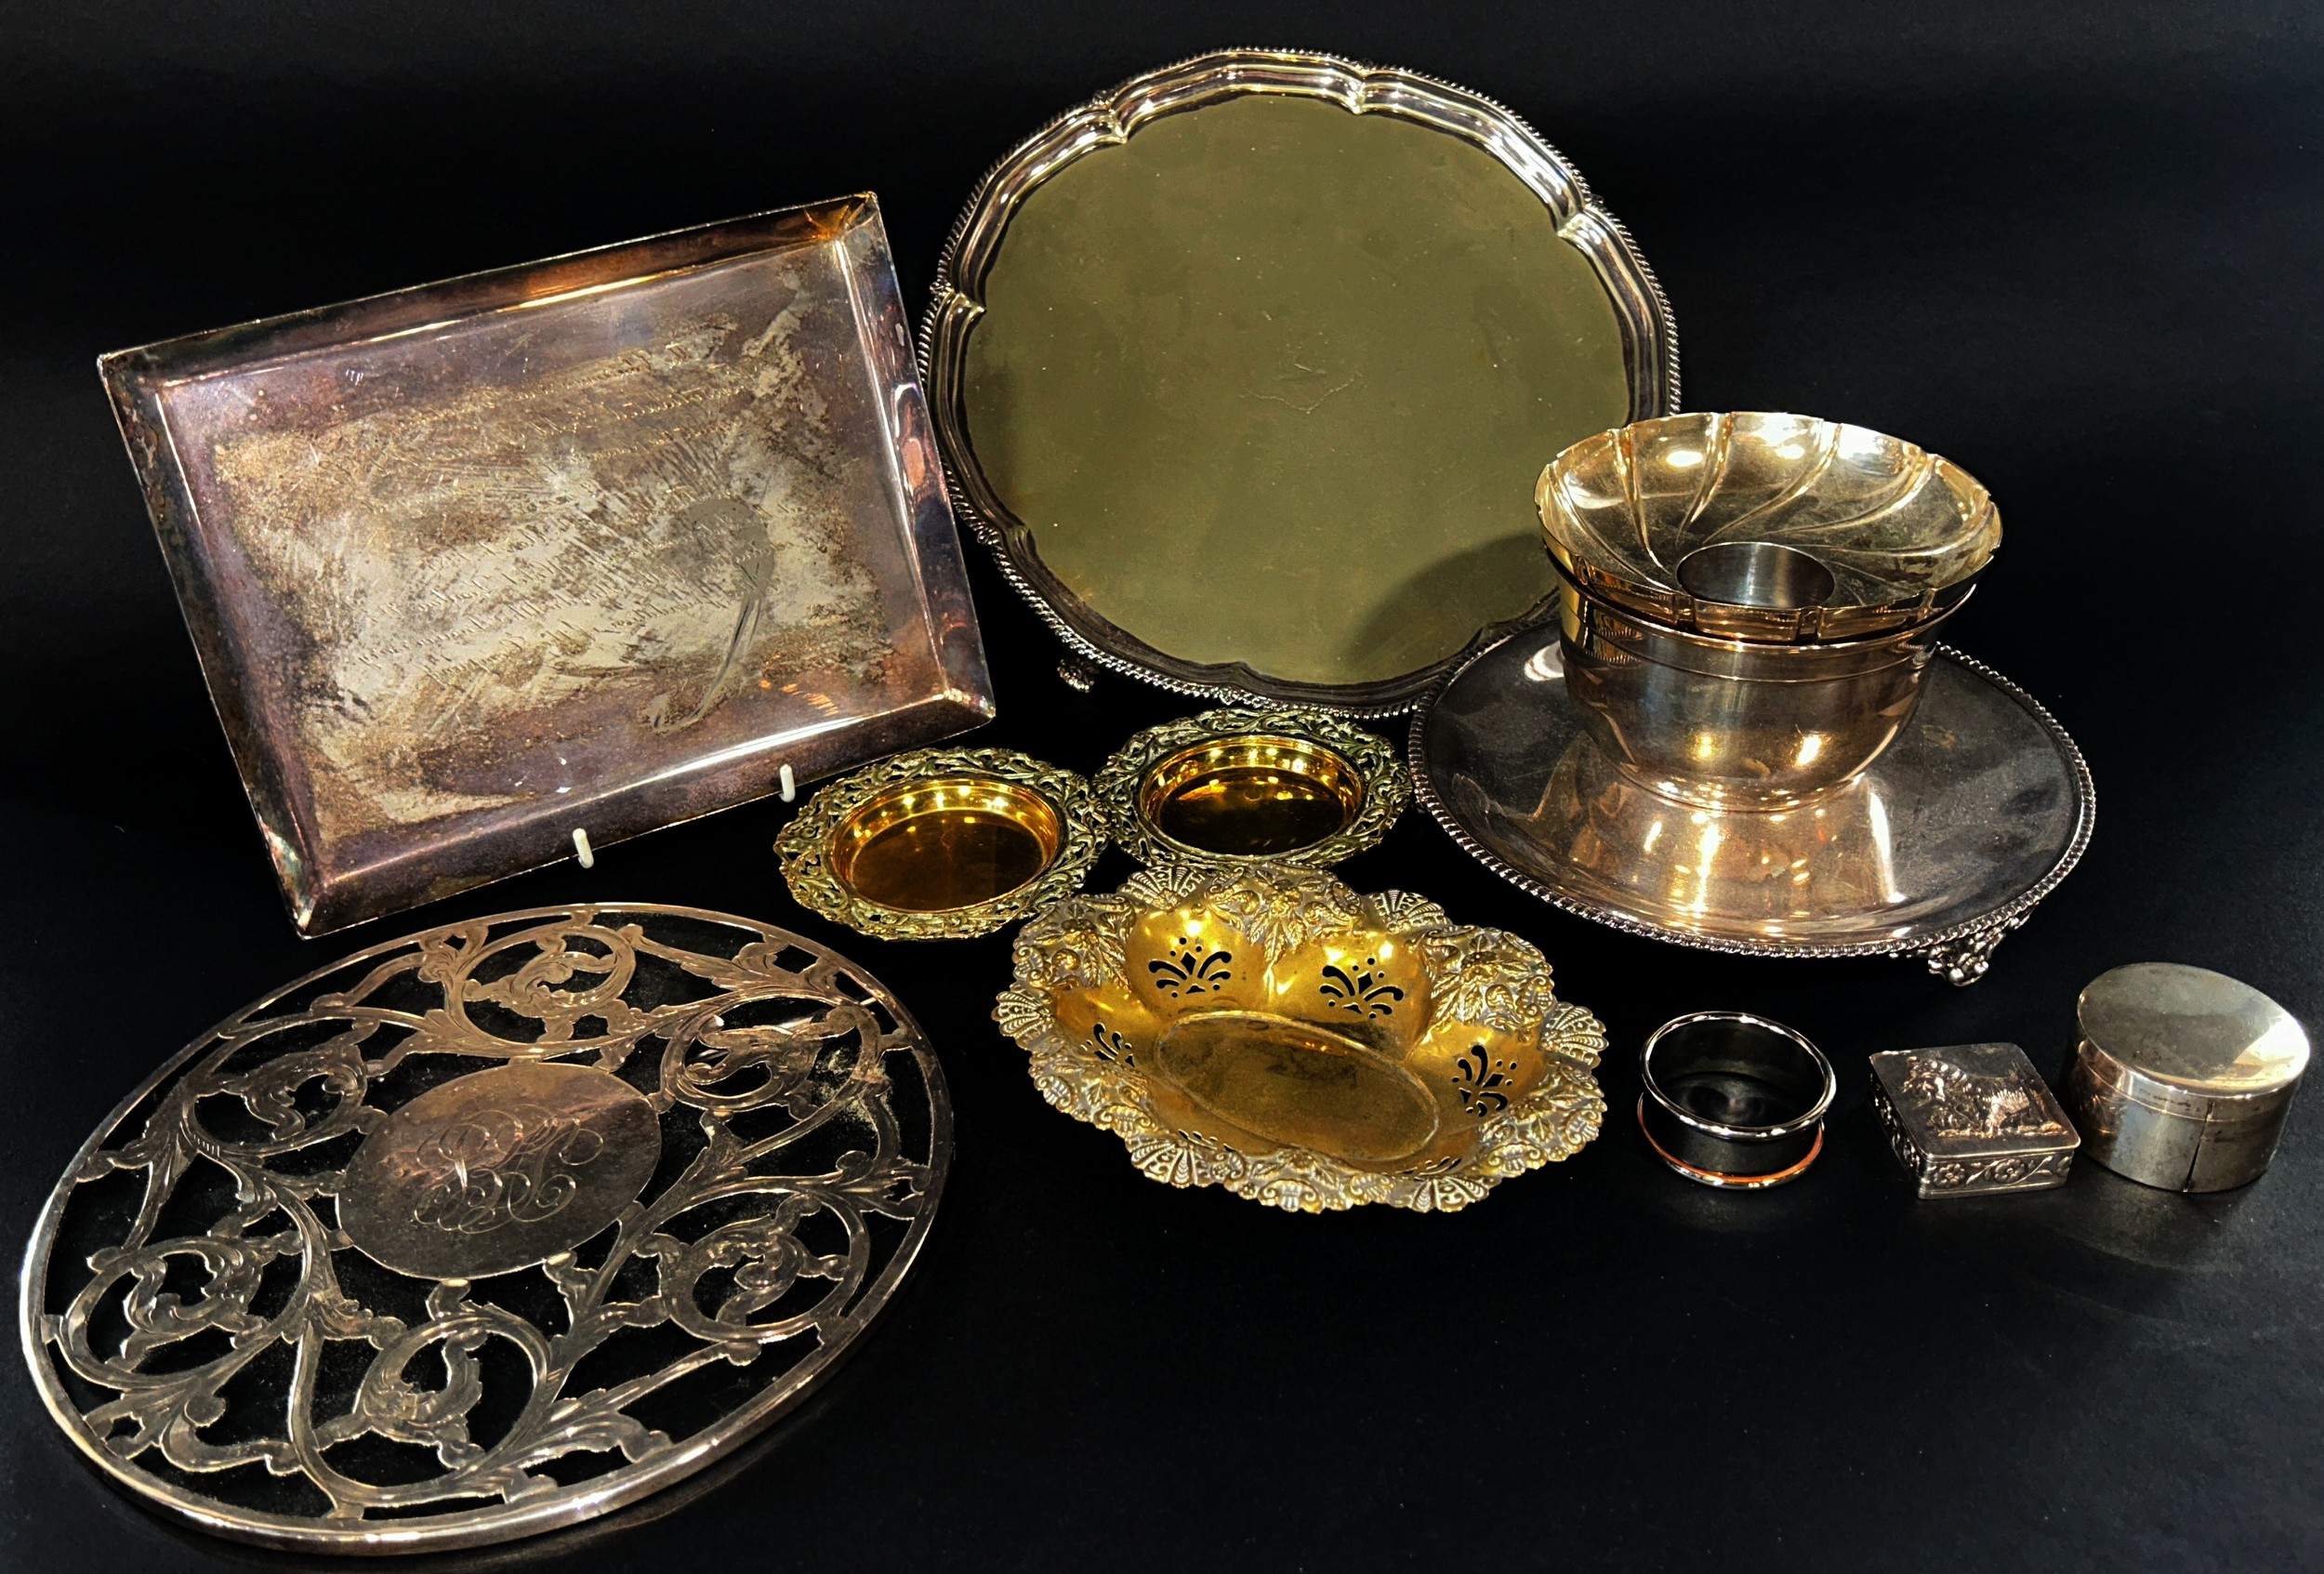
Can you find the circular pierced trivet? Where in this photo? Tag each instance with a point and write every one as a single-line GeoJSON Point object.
{"type": "Point", "coordinates": [486, 1230]}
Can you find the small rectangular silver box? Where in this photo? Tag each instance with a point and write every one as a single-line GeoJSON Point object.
{"type": "Point", "coordinates": [1972, 1119]}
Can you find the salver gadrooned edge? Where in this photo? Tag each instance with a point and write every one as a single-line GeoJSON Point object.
{"type": "Point", "coordinates": [1407, 692]}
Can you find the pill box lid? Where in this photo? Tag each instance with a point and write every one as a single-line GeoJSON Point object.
{"type": "Point", "coordinates": [1971, 1101]}
{"type": "Point", "coordinates": [2194, 1029]}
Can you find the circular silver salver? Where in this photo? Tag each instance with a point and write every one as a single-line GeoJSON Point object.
{"type": "Point", "coordinates": [486, 1230]}
{"type": "Point", "coordinates": [1245, 368]}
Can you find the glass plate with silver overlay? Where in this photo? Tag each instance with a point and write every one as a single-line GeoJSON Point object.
{"type": "Point", "coordinates": [486, 1230]}
{"type": "Point", "coordinates": [1937, 850]}
{"type": "Point", "coordinates": [1245, 371]}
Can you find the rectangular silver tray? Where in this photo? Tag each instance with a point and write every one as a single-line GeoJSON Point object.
{"type": "Point", "coordinates": [593, 543]}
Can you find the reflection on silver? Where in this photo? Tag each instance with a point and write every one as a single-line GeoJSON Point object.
{"type": "Point", "coordinates": [1944, 845]}
{"type": "Point", "coordinates": [1883, 846]}
{"type": "Point", "coordinates": [1547, 665]}
{"type": "Point", "coordinates": [1734, 1101]}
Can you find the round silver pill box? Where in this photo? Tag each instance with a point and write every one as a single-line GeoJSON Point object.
{"type": "Point", "coordinates": [2183, 1077]}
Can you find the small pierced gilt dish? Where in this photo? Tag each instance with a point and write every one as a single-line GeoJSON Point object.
{"type": "Point", "coordinates": [942, 843]}
{"type": "Point", "coordinates": [1243, 785]}
{"type": "Point", "coordinates": [1269, 1030]}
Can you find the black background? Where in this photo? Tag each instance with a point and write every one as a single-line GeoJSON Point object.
{"type": "Point", "coordinates": [2076, 248]}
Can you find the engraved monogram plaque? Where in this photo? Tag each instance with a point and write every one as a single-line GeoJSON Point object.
{"type": "Point", "coordinates": [486, 1230]}
{"type": "Point", "coordinates": [500, 1169]}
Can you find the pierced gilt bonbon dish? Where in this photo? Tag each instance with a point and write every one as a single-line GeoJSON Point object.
{"type": "Point", "coordinates": [942, 843]}
{"type": "Point", "coordinates": [1239, 785]}
{"type": "Point", "coordinates": [486, 1230]}
{"type": "Point", "coordinates": [1269, 1030]}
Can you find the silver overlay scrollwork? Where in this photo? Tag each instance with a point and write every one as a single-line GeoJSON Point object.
{"type": "Point", "coordinates": [486, 1230]}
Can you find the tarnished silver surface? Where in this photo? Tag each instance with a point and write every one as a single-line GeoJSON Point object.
{"type": "Point", "coordinates": [595, 544]}
{"type": "Point", "coordinates": [1648, 329]}
{"type": "Point", "coordinates": [2184, 1077]}
{"type": "Point", "coordinates": [1974, 815]}
{"type": "Point", "coordinates": [486, 1230]}
{"type": "Point", "coordinates": [1969, 1119]}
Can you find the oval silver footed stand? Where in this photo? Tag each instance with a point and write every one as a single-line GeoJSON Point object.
{"type": "Point", "coordinates": [1938, 850]}
{"type": "Point", "coordinates": [487, 1230]}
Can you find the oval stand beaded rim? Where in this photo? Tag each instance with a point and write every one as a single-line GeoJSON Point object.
{"type": "Point", "coordinates": [1640, 317]}
{"type": "Point", "coordinates": [2009, 807]}
{"type": "Point", "coordinates": [487, 1230]}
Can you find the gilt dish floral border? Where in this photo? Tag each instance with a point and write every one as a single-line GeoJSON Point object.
{"type": "Point", "coordinates": [804, 844]}
{"type": "Point", "coordinates": [1493, 976]}
{"type": "Point", "coordinates": [1119, 784]}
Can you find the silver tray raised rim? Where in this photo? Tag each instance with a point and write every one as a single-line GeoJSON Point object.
{"type": "Point", "coordinates": [1109, 119]}
{"type": "Point", "coordinates": [1961, 953]}
{"type": "Point", "coordinates": [331, 881]}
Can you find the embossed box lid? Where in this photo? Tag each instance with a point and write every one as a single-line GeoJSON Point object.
{"type": "Point", "coordinates": [593, 543]}
{"type": "Point", "coordinates": [1972, 1118]}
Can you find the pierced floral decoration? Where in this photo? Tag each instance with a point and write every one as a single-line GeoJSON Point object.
{"type": "Point", "coordinates": [1269, 1030]}
{"type": "Point", "coordinates": [1047, 809]}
